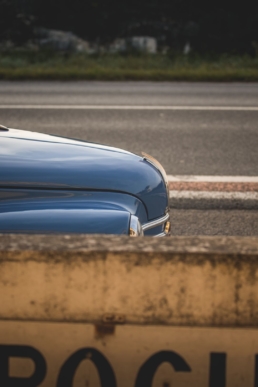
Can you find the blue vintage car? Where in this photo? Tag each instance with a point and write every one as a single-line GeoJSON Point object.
{"type": "Point", "coordinates": [51, 184]}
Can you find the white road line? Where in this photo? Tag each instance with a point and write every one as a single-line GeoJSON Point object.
{"type": "Point", "coordinates": [212, 179]}
{"type": "Point", "coordinates": [131, 107]}
{"type": "Point", "coordinates": [193, 195]}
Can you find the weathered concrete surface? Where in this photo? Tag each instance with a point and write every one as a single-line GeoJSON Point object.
{"type": "Point", "coordinates": [206, 281]}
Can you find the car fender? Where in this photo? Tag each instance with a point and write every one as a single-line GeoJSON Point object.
{"type": "Point", "coordinates": [66, 221]}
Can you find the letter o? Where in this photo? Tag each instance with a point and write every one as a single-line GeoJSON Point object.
{"type": "Point", "coordinates": [105, 371]}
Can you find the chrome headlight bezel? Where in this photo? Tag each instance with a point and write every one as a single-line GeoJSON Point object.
{"type": "Point", "coordinates": [135, 227]}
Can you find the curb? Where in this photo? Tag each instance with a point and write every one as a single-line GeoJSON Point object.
{"type": "Point", "coordinates": [213, 192]}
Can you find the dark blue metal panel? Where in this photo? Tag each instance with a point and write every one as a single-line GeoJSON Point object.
{"type": "Point", "coordinates": [66, 221]}
{"type": "Point", "coordinates": [32, 209]}
{"type": "Point", "coordinates": [41, 161]}
{"type": "Point", "coordinates": [29, 199]}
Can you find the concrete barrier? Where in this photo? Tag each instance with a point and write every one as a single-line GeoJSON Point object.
{"type": "Point", "coordinates": [113, 311]}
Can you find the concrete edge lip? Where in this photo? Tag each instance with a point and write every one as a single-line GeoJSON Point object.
{"type": "Point", "coordinates": [86, 243]}
{"type": "Point", "coordinates": [131, 107]}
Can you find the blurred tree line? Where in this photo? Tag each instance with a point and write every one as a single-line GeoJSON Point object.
{"type": "Point", "coordinates": [210, 27]}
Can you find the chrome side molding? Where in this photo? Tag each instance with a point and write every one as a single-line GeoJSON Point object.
{"type": "Point", "coordinates": [155, 223]}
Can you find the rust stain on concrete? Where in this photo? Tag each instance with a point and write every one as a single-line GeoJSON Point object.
{"type": "Point", "coordinates": [102, 330]}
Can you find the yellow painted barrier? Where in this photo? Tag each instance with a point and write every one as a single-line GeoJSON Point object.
{"type": "Point", "coordinates": [140, 312]}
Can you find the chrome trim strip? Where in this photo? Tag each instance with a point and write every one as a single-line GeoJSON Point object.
{"type": "Point", "coordinates": [155, 223]}
{"type": "Point", "coordinates": [159, 167]}
{"type": "Point", "coordinates": [161, 235]}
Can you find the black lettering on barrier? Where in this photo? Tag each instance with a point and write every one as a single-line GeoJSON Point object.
{"type": "Point", "coordinates": [7, 351]}
{"type": "Point", "coordinates": [217, 369]}
{"type": "Point", "coordinates": [148, 369]}
{"type": "Point", "coordinates": [106, 373]}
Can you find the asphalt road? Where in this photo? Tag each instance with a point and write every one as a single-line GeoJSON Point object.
{"type": "Point", "coordinates": [195, 142]}
{"type": "Point", "coordinates": [195, 137]}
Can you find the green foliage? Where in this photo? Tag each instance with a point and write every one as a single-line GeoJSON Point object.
{"type": "Point", "coordinates": [42, 65]}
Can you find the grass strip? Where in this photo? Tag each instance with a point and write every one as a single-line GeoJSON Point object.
{"type": "Point", "coordinates": [43, 66]}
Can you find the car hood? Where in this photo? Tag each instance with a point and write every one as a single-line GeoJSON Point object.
{"type": "Point", "coordinates": [33, 160]}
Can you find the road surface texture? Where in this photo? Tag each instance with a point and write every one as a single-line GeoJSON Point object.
{"type": "Point", "coordinates": [195, 129]}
